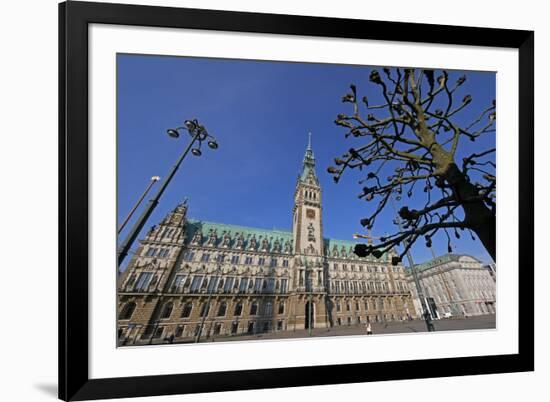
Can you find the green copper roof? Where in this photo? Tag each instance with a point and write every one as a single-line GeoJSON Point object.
{"type": "Point", "coordinates": [234, 232]}
{"type": "Point", "coordinates": [273, 235]}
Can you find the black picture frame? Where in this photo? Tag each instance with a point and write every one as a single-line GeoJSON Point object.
{"type": "Point", "coordinates": [74, 18]}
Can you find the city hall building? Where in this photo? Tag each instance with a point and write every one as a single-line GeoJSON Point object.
{"type": "Point", "coordinates": [192, 280]}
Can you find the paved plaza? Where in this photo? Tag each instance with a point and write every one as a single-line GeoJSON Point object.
{"type": "Point", "coordinates": [393, 327]}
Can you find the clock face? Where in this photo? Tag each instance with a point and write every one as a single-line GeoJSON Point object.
{"type": "Point", "coordinates": [310, 213]}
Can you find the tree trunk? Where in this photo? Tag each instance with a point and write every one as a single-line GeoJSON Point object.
{"type": "Point", "coordinates": [478, 217]}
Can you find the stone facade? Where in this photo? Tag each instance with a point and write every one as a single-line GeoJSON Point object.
{"type": "Point", "coordinates": [191, 279]}
{"type": "Point", "coordinates": [456, 285]}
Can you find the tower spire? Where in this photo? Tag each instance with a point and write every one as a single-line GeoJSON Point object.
{"type": "Point", "coordinates": [309, 159]}
{"type": "Point", "coordinates": [308, 164]}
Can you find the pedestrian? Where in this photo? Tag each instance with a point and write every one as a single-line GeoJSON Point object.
{"type": "Point", "coordinates": [369, 329]}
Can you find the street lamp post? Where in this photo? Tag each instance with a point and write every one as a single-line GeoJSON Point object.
{"type": "Point", "coordinates": [419, 290]}
{"type": "Point", "coordinates": [152, 182]}
{"type": "Point", "coordinates": [197, 133]}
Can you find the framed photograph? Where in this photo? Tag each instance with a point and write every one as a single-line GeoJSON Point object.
{"type": "Point", "coordinates": [259, 201]}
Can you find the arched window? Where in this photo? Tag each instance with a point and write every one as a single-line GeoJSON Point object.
{"type": "Point", "coordinates": [222, 309]}
{"type": "Point", "coordinates": [127, 311]}
{"type": "Point", "coordinates": [154, 280]}
{"type": "Point", "coordinates": [186, 310]}
{"type": "Point", "coordinates": [204, 309]}
{"type": "Point", "coordinates": [167, 310]}
{"type": "Point", "coordinates": [268, 309]}
{"type": "Point", "coordinates": [238, 309]}
{"type": "Point", "coordinates": [131, 280]}
{"type": "Point", "coordinates": [254, 308]}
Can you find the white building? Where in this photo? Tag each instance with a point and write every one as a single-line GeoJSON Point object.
{"type": "Point", "coordinates": [455, 284]}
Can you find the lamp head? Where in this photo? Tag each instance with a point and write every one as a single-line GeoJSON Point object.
{"type": "Point", "coordinates": [173, 133]}
{"type": "Point", "coordinates": [191, 125]}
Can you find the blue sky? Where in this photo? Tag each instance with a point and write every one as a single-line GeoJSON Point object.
{"type": "Point", "coordinates": [260, 113]}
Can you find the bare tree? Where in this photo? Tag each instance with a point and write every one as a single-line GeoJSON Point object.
{"type": "Point", "coordinates": [414, 134]}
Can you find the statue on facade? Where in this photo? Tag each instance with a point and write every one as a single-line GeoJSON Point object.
{"type": "Point", "coordinates": [240, 241]}
{"type": "Point", "coordinates": [197, 238]}
{"type": "Point", "coordinates": [288, 247]}
{"type": "Point", "coordinates": [311, 232]}
{"type": "Point", "coordinates": [277, 246]}
{"type": "Point", "coordinates": [265, 244]}
{"type": "Point", "coordinates": [253, 243]}
{"type": "Point", "coordinates": [226, 239]}
{"type": "Point", "coordinates": [212, 238]}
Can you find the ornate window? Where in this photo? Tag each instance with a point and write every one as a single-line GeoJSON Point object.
{"type": "Point", "coordinates": [270, 285]}
{"type": "Point", "coordinates": [222, 309]}
{"type": "Point", "coordinates": [268, 309]}
{"type": "Point", "coordinates": [131, 280]}
{"type": "Point", "coordinates": [179, 280]}
{"type": "Point", "coordinates": [212, 284]}
{"type": "Point", "coordinates": [188, 256]}
{"type": "Point", "coordinates": [163, 253]}
{"type": "Point", "coordinates": [228, 284]}
{"type": "Point", "coordinates": [243, 285]}
{"type": "Point", "coordinates": [258, 285]}
{"type": "Point", "coordinates": [143, 281]}
{"type": "Point", "coordinates": [186, 310]}
{"type": "Point", "coordinates": [281, 308]}
{"type": "Point", "coordinates": [283, 285]}
{"type": "Point", "coordinates": [238, 309]}
{"type": "Point", "coordinates": [151, 252]}
{"type": "Point", "coordinates": [205, 308]}
{"type": "Point", "coordinates": [127, 311]}
{"type": "Point", "coordinates": [167, 310]}
{"type": "Point", "coordinates": [254, 308]}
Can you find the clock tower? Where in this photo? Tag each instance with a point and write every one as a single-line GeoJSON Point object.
{"type": "Point", "coordinates": [307, 227]}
